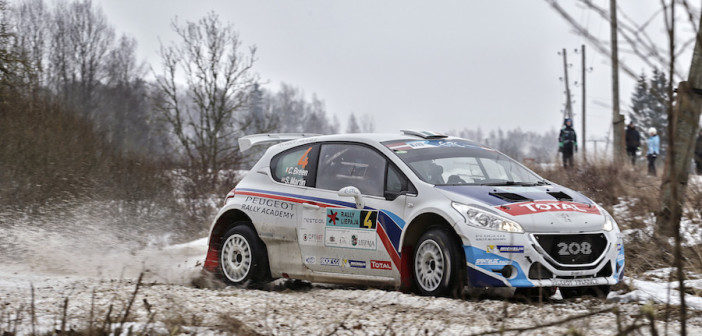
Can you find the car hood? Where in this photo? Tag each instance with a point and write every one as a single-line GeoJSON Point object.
{"type": "Point", "coordinates": [551, 208]}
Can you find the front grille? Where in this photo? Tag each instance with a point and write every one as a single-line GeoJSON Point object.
{"type": "Point", "coordinates": [573, 249]}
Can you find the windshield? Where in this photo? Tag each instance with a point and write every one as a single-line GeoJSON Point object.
{"type": "Point", "coordinates": [461, 162]}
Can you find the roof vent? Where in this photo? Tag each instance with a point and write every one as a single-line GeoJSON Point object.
{"type": "Point", "coordinates": [425, 134]}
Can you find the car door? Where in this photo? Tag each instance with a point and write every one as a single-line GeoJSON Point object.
{"type": "Point", "coordinates": [335, 233]}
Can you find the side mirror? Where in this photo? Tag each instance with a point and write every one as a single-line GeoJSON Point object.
{"type": "Point", "coordinates": [352, 192]}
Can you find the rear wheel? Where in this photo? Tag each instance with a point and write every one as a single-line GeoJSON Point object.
{"type": "Point", "coordinates": [436, 264]}
{"type": "Point", "coordinates": [242, 258]}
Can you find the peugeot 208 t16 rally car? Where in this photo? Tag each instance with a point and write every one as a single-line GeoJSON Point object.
{"type": "Point", "coordinates": [417, 211]}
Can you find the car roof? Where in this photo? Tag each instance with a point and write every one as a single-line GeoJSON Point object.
{"type": "Point", "coordinates": [379, 137]}
{"type": "Point", "coordinates": [367, 138]}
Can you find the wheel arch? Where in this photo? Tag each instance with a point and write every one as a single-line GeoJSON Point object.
{"type": "Point", "coordinates": [222, 224]}
{"type": "Point", "coordinates": [411, 235]}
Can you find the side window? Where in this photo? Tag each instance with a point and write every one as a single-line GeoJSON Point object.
{"type": "Point", "coordinates": [342, 165]}
{"type": "Point", "coordinates": [296, 166]}
{"type": "Point", "coordinates": [395, 183]}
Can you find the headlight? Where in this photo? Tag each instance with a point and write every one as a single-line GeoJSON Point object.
{"type": "Point", "coordinates": [486, 220]}
{"type": "Point", "coordinates": [609, 221]}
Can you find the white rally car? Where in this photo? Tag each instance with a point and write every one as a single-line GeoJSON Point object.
{"type": "Point", "coordinates": [416, 211]}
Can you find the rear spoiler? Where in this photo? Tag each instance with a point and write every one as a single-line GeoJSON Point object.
{"type": "Point", "coordinates": [249, 141]}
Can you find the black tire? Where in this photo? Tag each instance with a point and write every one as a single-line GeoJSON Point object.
{"type": "Point", "coordinates": [243, 259]}
{"type": "Point", "coordinates": [436, 265]}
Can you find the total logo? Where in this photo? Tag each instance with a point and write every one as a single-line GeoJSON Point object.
{"type": "Point", "coordinates": [381, 265]}
{"type": "Point", "coordinates": [529, 208]}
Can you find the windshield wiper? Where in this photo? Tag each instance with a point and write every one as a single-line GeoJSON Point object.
{"type": "Point", "coordinates": [513, 183]}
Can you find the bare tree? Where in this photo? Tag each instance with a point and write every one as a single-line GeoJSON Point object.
{"type": "Point", "coordinates": [81, 38]}
{"type": "Point", "coordinates": [31, 20]}
{"type": "Point", "coordinates": [5, 36]}
{"type": "Point", "coordinates": [218, 77]}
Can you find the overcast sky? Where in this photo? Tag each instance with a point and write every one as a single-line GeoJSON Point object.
{"type": "Point", "coordinates": [436, 65]}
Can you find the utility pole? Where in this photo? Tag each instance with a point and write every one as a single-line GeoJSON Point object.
{"type": "Point", "coordinates": [584, 139]}
{"type": "Point", "coordinates": [617, 118]}
{"type": "Point", "coordinates": [568, 113]}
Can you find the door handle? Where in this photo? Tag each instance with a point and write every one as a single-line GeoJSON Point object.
{"type": "Point", "coordinates": [310, 206]}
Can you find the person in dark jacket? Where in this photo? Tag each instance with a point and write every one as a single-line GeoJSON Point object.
{"type": "Point", "coordinates": [567, 142]}
{"type": "Point", "coordinates": [633, 141]}
{"type": "Point", "coordinates": [698, 153]}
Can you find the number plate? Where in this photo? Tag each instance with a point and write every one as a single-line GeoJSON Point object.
{"type": "Point", "coordinates": [574, 282]}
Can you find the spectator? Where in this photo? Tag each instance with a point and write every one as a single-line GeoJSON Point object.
{"type": "Point", "coordinates": [633, 141]}
{"type": "Point", "coordinates": [567, 142]}
{"type": "Point", "coordinates": [654, 143]}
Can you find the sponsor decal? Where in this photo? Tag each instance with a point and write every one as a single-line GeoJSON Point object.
{"type": "Point", "coordinates": [351, 238]}
{"type": "Point", "coordinates": [620, 257]}
{"type": "Point", "coordinates": [529, 208]}
{"type": "Point", "coordinates": [310, 260]}
{"type": "Point", "coordinates": [574, 282]}
{"type": "Point", "coordinates": [324, 261]}
{"type": "Point", "coordinates": [354, 263]}
{"type": "Point", "coordinates": [267, 206]}
{"type": "Point", "coordinates": [510, 248]}
{"type": "Point", "coordinates": [492, 262]}
{"type": "Point", "coordinates": [309, 237]}
{"type": "Point", "coordinates": [349, 218]}
{"type": "Point", "coordinates": [491, 237]}
{"type": "Point", "coordinates": [409, 145]}
{"type": "Point", "coordinates": [313, 220]}
{"type": "Point", "coordinates": [381, 265]}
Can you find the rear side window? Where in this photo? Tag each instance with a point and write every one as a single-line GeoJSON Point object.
{"type": "Point", "coordinates": [296, 166]}
{"type": "Point", "coordinates": [342, 165]}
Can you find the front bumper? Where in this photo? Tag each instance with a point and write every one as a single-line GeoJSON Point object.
{"type": "Point", "coordinates": [497, 259]}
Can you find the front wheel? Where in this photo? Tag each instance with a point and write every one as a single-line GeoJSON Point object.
{"type": "Point", "coordinates": [436, 266]}
{"type": "Point", "coordinates": [243, 259]}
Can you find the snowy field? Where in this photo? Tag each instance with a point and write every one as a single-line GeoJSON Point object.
{"type": "Point", "coordinates": [166, 302]}
{"type": "Point", "coordinates": [87, 269]}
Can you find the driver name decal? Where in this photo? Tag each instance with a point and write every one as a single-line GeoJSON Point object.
{"type": "Point", "coordinates": [529, 208]}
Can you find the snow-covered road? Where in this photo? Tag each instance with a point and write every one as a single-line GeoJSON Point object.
{"type": "Point", "coordinates": [167, 302]}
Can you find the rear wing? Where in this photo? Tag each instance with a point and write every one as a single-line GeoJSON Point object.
{"type": "Point", "coordinates": [249, 141]}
